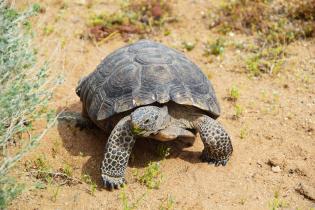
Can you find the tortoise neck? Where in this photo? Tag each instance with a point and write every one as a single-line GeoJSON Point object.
{"type": "Point", "coordinates": [183, 115]}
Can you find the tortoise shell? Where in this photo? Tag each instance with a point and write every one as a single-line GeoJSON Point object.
{"type": "Point", "coordinates": [143, 73]}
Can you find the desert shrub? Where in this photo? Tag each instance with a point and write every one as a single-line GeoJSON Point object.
{"type": "Point", "coordinates": [214, 48]}
{"type": "Point", "coordinates": [243, 15]}
{"type": "Point", "coordinates": [133, 17]}
{"type": "Point", "coordinates": [266, 60]}
{"type": "Point", "coordinates": [301, 10]}
{"type": "Point", "coordinates": [24, 95]}
{"type": "Point", "coordinates": [152, 176]}
{"type": "Point", "coordinates": [274, 21]}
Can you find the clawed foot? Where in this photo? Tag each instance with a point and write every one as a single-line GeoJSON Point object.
{"type": "Point", "coordinates": [217, 162]}
{"type": "Point", "coordinates": [111, 183]}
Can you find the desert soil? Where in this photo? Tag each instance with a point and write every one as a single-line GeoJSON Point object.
{"type": "Point", "coordinates": [275, 129]}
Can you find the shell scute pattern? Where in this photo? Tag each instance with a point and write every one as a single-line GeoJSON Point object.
{"type": "Point", "coordinates": [153, 57]}
{"type": "Point", "coordinates": [141, 46]}
{"type": "Point", "coordinates": [144, 73]}
{"type": "Point", "coordinates": [124, 81]}
{"type": "Point", "coordinates": [155, 84]}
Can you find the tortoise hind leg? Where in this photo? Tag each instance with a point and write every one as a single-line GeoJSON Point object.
{"type": "Point", "coordinates": [76, 119]}
{"type": "Point", "coordinates": [117, 152]}
{"type": "Point", "coordinates": [217, 143]}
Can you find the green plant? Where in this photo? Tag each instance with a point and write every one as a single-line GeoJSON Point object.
{"type": "Point", "coordinates": [23, 99]}
{"type": "Point", "coordinates": [55, 194]}
{"type": "Point", "coordinates": [243, 133]}
{"type": "Point", "coordinates": [238, 111]}
{"type": "Point", "coordinates": [47, 30]}
{"type": "Point", "coordinates": [242, 201]}
{"type": "Point", "coordinates": [168, 203]}
{"type": "Point", "coordinates": [55, 148]}
{"type": "Point", "coordinates": [40, 169]}
{"type": "Point", "coordinates": [252, 65]}
{"type": "Point", "coordinates": [41, 163]}
{"type": "Point", "coordinates": [43, 168]}
{"type": "Point", "coordinates": [234, 93]}
{"type": "Point", "coordinates": [277, 203]}
{"type": "Point", "coordinates": [40, 185]}
{"type": "Point", "coordinates": [125, 201]}
{"type": "Point", "coordinates": [68, 170]}
{"type": "Point", "coordinates": [167, 32]}
{"type": "Point", "coordinates": [64, 5]}
{"type": "Point", "coordinates": [88, 180]}
{"type": "Point", "coordinates": [9, 190]}
{"type": "Point", "coordinates": [163, 151]}
{"type": "Point", "coordinates": [214, 48]}
{"type": "Point", "coordinates": [266, 60]}
{"type": "Point", "coordinates": [152, 176]}
{"type": "Point", "coordinates": [189, 46]}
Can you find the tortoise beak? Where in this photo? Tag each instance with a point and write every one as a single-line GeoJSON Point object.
{"type": "Point", "coordinates": [135, 129]}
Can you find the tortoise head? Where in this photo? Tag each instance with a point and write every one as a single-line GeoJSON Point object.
{"type": "Point", "coordinates": [148, 120]}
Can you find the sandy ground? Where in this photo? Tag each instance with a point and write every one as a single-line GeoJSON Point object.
{"type": "Point", "coordinates": [277, 123]}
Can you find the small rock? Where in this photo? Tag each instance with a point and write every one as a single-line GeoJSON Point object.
{"type": "Point", "coordinates": [157, 11]}
{"type": "Point", "coordinates": [273, 162]}
{"type": "Point", "coordinates": [129, 29]}
{"type": "Point", "coordinates": [276, 169]}
{"type": "Point", "coordinates": [259, 164]}
{"type": "Point", "coordinates": [84, 2]}
{"type": "Point", "coordinates": [99, 32]}
{"type": "Point", "coordinates": [277, 160]}
{"type": "Point", "coordinates": [203, 14]}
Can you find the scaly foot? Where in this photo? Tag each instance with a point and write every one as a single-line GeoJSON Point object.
{"type": "Point", "coordinates": [217, 162]}
{"type": "Point", "coordinates": [111, 183]}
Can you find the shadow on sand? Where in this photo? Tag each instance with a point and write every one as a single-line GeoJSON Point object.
{"type": "Point", "coordinates": [91, 142]}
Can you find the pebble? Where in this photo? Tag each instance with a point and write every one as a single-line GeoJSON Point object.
{"type": "Point", "coordinates": [276, 169]}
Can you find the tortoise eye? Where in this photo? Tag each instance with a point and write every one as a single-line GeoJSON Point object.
{"type": "Point", "coordinates": [146, 121]}
{"type": "Point", "coordinates": [155, 117]}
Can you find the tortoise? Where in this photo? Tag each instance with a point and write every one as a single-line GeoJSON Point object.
{"type": "Point", "coordinates": [147, 89]}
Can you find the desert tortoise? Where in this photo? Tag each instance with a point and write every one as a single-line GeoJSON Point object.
{"type": "Point", "coordinates": [150, 90]}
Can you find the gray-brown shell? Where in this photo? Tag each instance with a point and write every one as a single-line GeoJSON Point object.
{"type": "Point", "coordinates": [143, 73]}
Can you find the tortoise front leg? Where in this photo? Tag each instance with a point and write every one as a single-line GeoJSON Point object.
{"type": "Point", "coordinates": [117, 152]}
{"type": "Point", "coordinates": [217, 143]}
